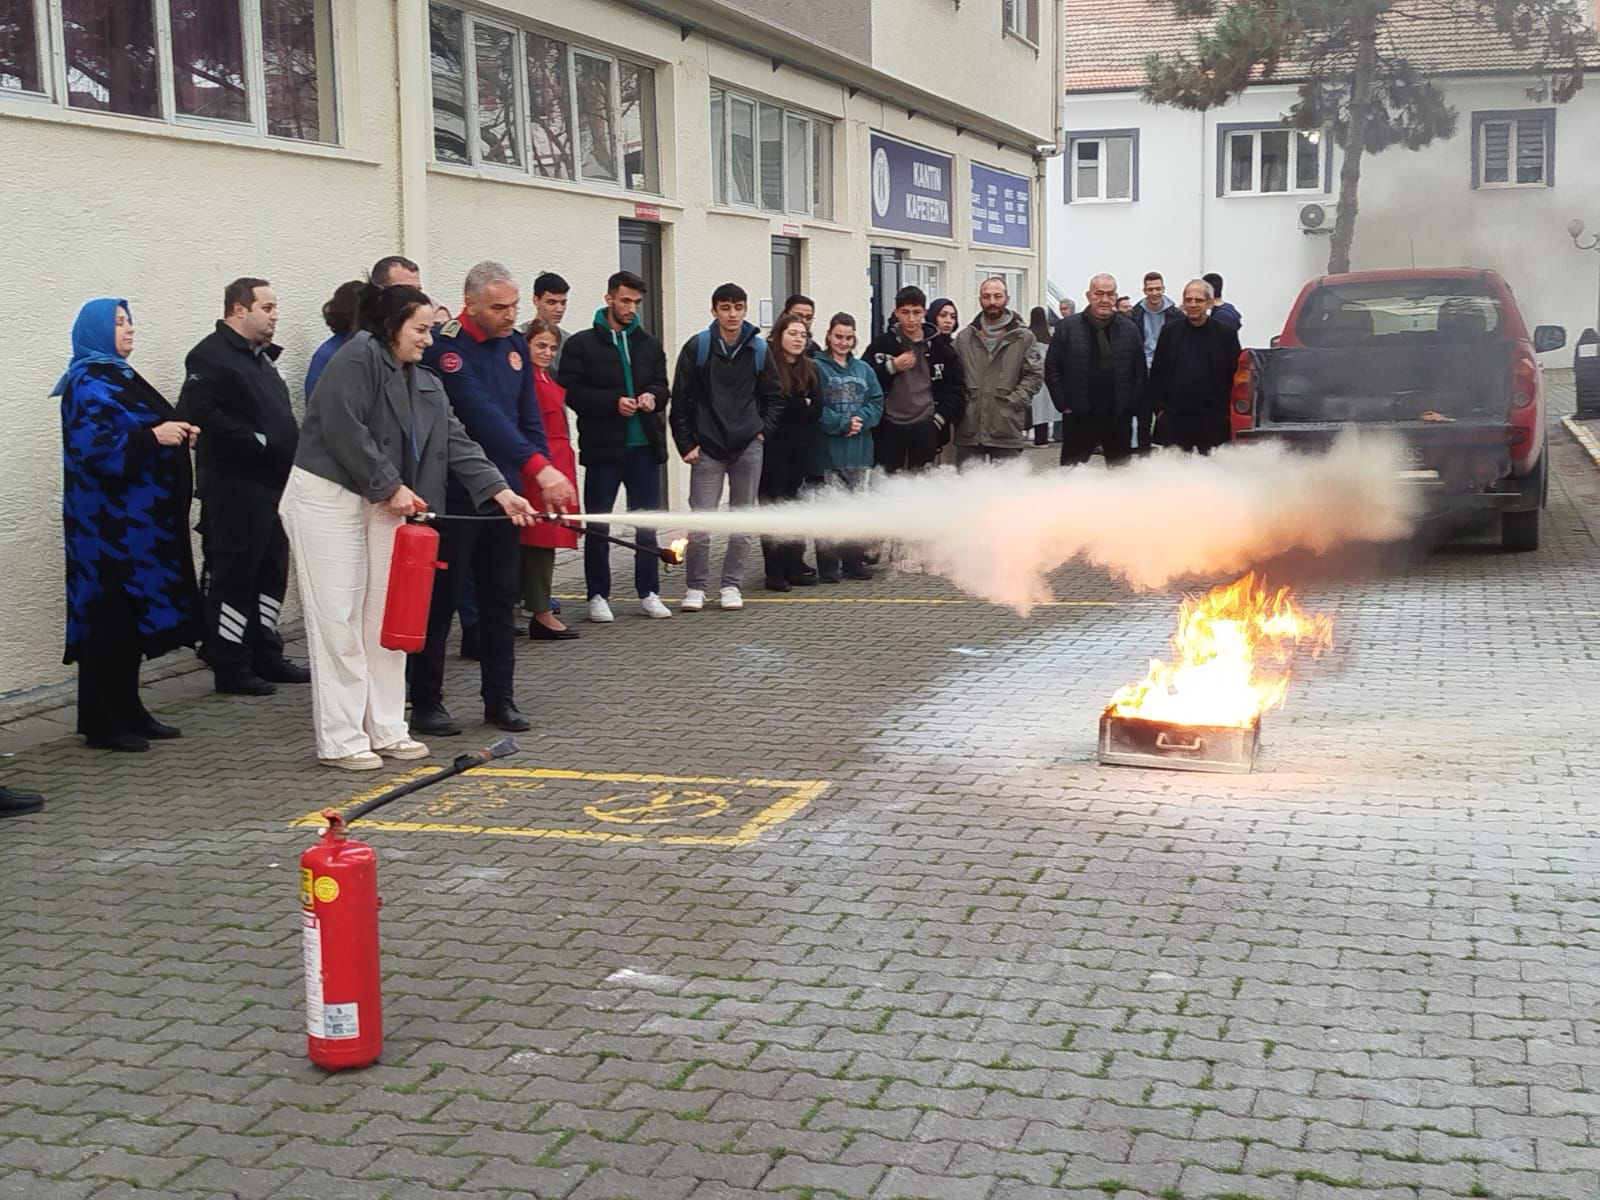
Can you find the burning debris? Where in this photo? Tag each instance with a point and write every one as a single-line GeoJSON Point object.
{"type": "Point", "coordinates": [1233, 655]}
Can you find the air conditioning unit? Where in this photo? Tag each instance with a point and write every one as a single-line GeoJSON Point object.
{"type": "Point", "coordinates": [1318, 218]}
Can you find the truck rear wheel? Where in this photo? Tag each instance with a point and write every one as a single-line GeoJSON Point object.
{"type": "Point", "coordinates": [1519, 531]}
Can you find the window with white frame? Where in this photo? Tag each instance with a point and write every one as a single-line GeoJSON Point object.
{"type": "Point", "coordinates": [1514, 149]}
{"type": "Point", "coordinates": [523, 99]}
{"type": "Point", "coordinates": [1021, 17]}
{"type": "Point", "coordinates": [1272, 161]}
{"type": "Point", "coordinates": [770, 157]}
{"type": "Point", "coordinates": [260, 66]}
{"type": "Point", "coordinates": [1102, 167]}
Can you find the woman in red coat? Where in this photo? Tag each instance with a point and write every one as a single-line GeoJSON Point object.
{"type": "Point", "coordinates": [541, 541]}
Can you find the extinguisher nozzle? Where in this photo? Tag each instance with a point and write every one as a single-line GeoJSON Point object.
{"type": "Point", "coordinates": [502, 747]}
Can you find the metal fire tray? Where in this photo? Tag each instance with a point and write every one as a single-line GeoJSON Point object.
{"type": "Point", "coordinates": [1136, 742]}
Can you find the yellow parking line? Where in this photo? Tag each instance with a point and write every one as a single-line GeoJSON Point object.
{"type": "Point", "coordinates": [926, 601]}
{"type": "Point", "coordinates": [794, 795]}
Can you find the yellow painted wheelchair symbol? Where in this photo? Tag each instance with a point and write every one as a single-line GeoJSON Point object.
{"type": "Point", "coordinates": [656, 808]}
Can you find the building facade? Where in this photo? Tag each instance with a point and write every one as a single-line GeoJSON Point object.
{"type": "Point", "coordinates": [1141, 187]}
{"type": "Point", "coordinates": [158, 148]}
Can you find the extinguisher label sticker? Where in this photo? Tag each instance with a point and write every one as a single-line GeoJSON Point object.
{"type": "Point", "coordinates": [341, 1021]}
{"type": "Point", "coordinates": [305, 887]}
{"type": "Point", "coordinates": [326, 889]}
{"type": "Point", "coordinates": [311, 943]}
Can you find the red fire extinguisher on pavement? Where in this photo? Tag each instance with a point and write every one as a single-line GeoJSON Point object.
{"type": "Point", "coordinates": [339, 926]}
{"type": "Point", "coordinates": [405, 609]}
{"type": "Point", "coordinates": [339, 911]}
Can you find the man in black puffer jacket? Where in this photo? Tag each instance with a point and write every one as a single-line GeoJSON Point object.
{"type": "Point", "coordinates": [616, 379]}
{"type": "Point", "coordinates": [1095, 373]}
{"type": "Point", "coordinates": [233, 391]}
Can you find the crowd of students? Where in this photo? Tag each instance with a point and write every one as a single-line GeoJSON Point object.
{"type": "Point", "coordinates": [412, 409]}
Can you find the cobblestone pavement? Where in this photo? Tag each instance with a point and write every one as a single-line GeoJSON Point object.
{"type": "Point", "coordinates": [872, 924]}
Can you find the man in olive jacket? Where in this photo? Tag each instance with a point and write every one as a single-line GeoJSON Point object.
{"type": "Point", "coordinates": [1002, 366]}
{"type": "Point", "coordinates": [615, 375]}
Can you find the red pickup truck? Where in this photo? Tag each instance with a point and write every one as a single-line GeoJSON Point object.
{"type": "Point", "coordinates": [1442, 357]}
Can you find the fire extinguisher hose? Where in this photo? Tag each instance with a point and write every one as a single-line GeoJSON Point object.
{"type": "Point", "coordinates": [464, 762]}
{"type": "Point", "coordinates": [665, 553]}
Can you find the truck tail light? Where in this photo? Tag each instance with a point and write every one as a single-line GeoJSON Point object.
{"type": "Point", "coordinates": [1524, 394]}
{"type": "Point", "coordinates": [1242, 399]}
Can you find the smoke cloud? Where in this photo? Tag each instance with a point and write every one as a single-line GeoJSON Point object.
{"type": "Point", "coordinates": [999, 532]}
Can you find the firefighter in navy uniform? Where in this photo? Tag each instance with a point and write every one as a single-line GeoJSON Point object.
{"type": "Point", "coordinates": [233, 390]}
{"type": "Point", "coordinates": [488, 374]}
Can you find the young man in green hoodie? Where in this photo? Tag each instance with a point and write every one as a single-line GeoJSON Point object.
{"type": "Point", "coordinates": [616, 379]}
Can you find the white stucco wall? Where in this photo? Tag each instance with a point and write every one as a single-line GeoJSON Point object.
{"type": "Point", "coordinates": [173, 215]}
{"type": "Point", "coordinates": [1415, 207]}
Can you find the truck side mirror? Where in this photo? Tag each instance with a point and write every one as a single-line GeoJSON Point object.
{"type": "Point", "coordinates": [1548, 337]}
{"type": "Point", "coordinates": [1277, 340]}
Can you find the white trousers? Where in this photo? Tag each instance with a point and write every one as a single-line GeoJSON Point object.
{"type": "Point", "coordinates": [342, 546]}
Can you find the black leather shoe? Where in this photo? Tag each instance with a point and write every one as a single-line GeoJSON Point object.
{"type": "Point", "coordinates": [828, 577]}
{"type": "Point", "coordinates": [283, 671]}
{"type": "Point", "coordinates": [16, 804]}
{"type": "Point", "coordinates": [802, 577]}
{"type": "Point", "coordinates": [469, 641]}
{"type": "Point", "coordinates": [128, 743]}
{"type": "Point", "coordinates": [158, 731]}
{"type": "Point", "coordinates": [857, 571]}
{"type": "Point", "coordinates": [244, 683]}
{"type": "Point", "coordinates": [503, 714]}
{"type": "Point", "coordinates": [778, 585]}
{"type": "Point", "coordinates": [543, 633]}
{"type": "Point", "coordinates": [432, 718]}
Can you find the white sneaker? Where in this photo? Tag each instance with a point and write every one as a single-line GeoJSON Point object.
{"type": "Point", "coordinates": [694, 599]}
{"type": "Point", "coordinates": [361, 760]}
{"type": "Point", "coordinates": [404, 748]}
{"type": "Point", "coordinates": [600, 610]}
{"type": "Point", "coordinates": [651, 606]}
{"type": "Point", "coordinates": [731, 598]}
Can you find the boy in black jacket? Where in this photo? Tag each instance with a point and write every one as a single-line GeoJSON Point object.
{"type": "Point", "coordinates": [924, 393]}
{"type": "Point", "coordinates": [728, 400]}
{"type": "Point", "coordinates": [615, 375]}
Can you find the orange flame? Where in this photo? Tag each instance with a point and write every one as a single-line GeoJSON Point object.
{"type": "Point", "coordinates": [1232, 657]}
{"type": "Point", "coordinates": [676, 547]}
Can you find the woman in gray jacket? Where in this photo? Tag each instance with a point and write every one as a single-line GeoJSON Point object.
{"type": "Point", "coordinates": [377, 444]}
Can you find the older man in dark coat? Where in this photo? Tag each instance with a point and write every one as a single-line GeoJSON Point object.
{"type": "Point", "coordinates": [1191, 378]}
{"type": "Point", "coordinates": [1095, 373]}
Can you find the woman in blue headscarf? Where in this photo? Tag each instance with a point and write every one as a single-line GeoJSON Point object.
{"type": "Point", "coordinates": [125, 499]}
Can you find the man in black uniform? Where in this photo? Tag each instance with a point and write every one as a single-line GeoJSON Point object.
{"type": "Point", "coordinates": [233, 390]}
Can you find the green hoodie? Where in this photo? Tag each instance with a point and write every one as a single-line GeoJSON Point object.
{"type": "Point", "coordinates": [619, 338]}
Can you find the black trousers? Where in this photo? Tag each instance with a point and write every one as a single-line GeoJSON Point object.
{"type": "Point", "coordinates": [108, 670]}
{"type": "Point", "coordinates": [1196, 432]}
{"type": "Point", "coordinates": [493, 552]}
{"type": "Point", "coordinates": [246, 571]}
{"type": "Point", "coordinates": [897, 448]}
{"type": "Point", "coordinates": [783, 473]}
{"type": "Point", "coordinates": [1082, 435]}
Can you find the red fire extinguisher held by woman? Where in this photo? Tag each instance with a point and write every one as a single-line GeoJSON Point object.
{"type": "Point", "coordinates": [405, 609]}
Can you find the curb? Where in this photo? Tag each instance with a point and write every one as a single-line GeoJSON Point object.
{"type": "Point", "coordinates": [1580, 434]}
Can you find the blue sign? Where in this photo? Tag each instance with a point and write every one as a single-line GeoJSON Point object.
{"type": "Point", "coordinates": [1001, 207]}
{"type": "Point", "coordinates": [912, 188]}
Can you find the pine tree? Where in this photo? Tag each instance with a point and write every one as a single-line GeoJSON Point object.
{"type": "Point", "coordinates": [1355, 80]}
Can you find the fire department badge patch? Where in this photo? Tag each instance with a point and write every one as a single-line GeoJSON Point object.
{"type": "Point", "coordinates": [515, 359]}
{"type": "Point", "coordinates": [450, 361]}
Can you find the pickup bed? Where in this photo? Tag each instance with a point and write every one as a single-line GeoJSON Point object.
{"type": "Point", "coordinates": [1441, 357]}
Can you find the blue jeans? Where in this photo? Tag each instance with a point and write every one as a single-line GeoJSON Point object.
{"type": "Point", "coordinates": [639, 473]}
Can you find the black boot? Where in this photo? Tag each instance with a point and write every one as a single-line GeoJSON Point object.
{"type": "Point", "coordinates": [503, 714]}
{"type": "Point", "coordinates": [434, 719]}
{"type": "Point", "coordinates": [282, 670]}
{"type": "Point", "coordinates": [242, 681]}
{"type": "Point", "coordinates": [15, 804]}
